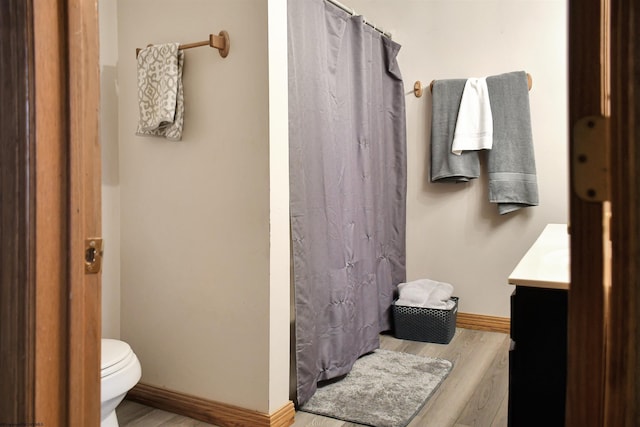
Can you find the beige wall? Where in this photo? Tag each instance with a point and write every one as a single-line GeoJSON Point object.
{"type": "Point", "coordinates": [453, 233]}
{"type": "Point", "coordinates": [108, 11]}
{"type": "Point", "coordinates": [198, 281]}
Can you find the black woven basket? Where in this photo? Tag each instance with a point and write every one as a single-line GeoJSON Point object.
{"type": "Point", "coordinates": [425, 324]}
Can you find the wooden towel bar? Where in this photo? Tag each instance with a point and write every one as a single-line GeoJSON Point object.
{"type": "Point", "coordinates": [417, 87]}
{"type": "Point", "coordinates": [220, 42]}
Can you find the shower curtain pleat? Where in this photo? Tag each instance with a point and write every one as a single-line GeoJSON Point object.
{"type": "Point", "coordinates": [348, 187]}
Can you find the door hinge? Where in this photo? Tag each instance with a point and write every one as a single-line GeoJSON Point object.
{"type": "Point", "coordinates": [590, 159]}
{"type": "Point", "coordinates": [93, 250]}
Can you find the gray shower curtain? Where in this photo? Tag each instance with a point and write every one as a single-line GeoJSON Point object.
{"type": "Point", "coordinates": [348, 187]}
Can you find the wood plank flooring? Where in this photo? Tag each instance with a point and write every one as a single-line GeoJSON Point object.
{"type": "Point", "coordinates": [474, 394]}
{"type": "Point", "coordinates": [134, 414]}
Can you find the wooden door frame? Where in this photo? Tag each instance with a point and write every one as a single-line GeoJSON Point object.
{"type": "Point", "coordinates": [51, 204]}
{"type": "Point", "coordinates": [85, 183]}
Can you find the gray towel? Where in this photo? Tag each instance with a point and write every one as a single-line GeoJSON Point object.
{"type": "Point", "coordinates": [510, 163]}
{"type": "Point", "coordinates": [446, 166]}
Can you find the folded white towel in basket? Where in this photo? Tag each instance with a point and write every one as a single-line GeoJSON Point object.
{"type": "Point", "coordinates": [426, 293]}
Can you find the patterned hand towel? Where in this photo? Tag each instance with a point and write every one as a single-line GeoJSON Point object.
{"type": "Point", "coordinates": [511, 164]}
{"type": "Point", "coordinates": [446, 166]}
{"type": "Point", "coordinates": [160, 93]}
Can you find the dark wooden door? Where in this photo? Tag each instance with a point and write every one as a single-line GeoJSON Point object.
{"type": "Point", "coordinates": [586, 305]}
{"type": "Point", "coordinates": [17, 220]}
{"type": "Point", "coordinates": [603, 297]}
{"type": "Point", "coordinates": [621, 399]}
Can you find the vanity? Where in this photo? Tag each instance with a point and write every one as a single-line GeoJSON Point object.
{"type": "Point", "coordinates": [538, 353]}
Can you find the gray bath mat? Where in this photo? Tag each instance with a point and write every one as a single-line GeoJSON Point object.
{"type": "Point", "coordinates": [384, 389]}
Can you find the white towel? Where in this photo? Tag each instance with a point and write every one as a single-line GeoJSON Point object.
{"type": "Point", "coordinates": [439, 296]}
{"type": "Point", "coordinates": [160, 93]}
{"type": "Point", "coordinates": [474, 126]}
{"type": "Point", "coordinates": [425, 293]}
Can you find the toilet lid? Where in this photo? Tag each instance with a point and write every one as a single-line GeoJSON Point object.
{"type": "Point", "coordinates": [115, 354]}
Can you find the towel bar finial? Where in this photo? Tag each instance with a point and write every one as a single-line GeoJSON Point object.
{"type": "Point", "coordinates": [220, 42]}
{"type": "Point", "coordinates": [417, 89]}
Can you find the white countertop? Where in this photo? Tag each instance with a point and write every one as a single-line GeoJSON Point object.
{"type": "Point", "coordinates": [546, 263]}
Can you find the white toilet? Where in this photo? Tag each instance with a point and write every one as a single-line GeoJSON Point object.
{"type": "Point", "coordinates": [119, 371]}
